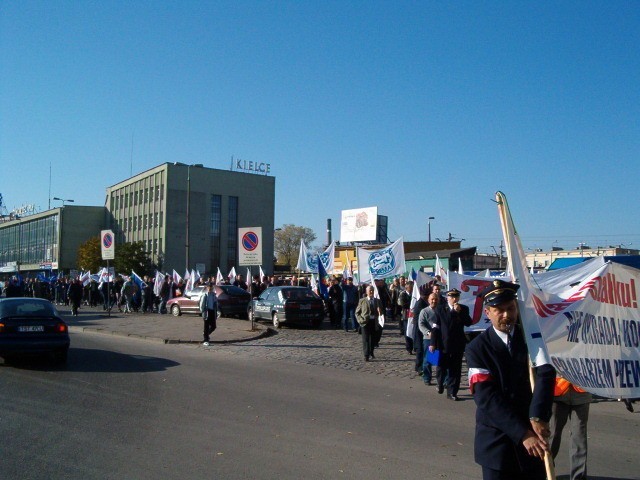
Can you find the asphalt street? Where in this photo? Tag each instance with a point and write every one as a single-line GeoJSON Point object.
{"type": "Point", "coordinates": [297, 403]}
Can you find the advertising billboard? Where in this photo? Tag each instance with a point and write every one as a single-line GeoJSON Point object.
{"type": "Point", "coordinates": [359, 225]}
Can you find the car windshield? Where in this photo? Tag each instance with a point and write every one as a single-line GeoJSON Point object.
{"type": "Point", "coordinates": [25, 307]}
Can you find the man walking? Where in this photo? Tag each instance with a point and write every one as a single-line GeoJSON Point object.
{"type": "Point", "coordinates": [511, 422]}
{"type": "Point", "coordinates": [367, 312]}
{"type": "Point", "coordinates": [450, 340]}
{"type": "Point", "coordinates": [209, 309]}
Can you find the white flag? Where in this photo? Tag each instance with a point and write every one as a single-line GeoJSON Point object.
{"type": "Point", "coordinates": [176, 277]}
{"type": "Point", "coordinates": [262, 275]}
{"type": "Point", "coordinates": [439, 270]}
{"type": "Point", "coordinates": [219, 277]}
{"type": "Point", "coordinates": [232, 275]}
{"type": "Point", "coordinates": [308, 261]}
{"type": "Point", "coordinates": [382, 262]}
{"type": "Point", "coordinates": [157, 284]}
{"type": "Point", "coordinates": [519, 274]}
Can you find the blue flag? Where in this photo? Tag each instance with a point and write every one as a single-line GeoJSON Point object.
{"type": "Point", "coordinates": [322, 275]}
{"type": "Point", "coordinates": [137, 280]}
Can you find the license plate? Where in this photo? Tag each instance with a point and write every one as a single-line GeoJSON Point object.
{"type": "Point", "coordinates": [305, 307]}
{"type": "Point", "coordinates": [31, 328]}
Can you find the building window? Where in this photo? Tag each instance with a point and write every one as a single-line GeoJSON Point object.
{"type": "Point", "coordinates": [216, 223]}
{"type": "Point", "coordinates": [232, 240]}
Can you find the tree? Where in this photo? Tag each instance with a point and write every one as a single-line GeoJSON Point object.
{"type": "Point", "coordinates": [132, 256]}
{"type": "Point", "coordinates": [287, 243]}
{"type": "Point", "coordinates": [89, 255]}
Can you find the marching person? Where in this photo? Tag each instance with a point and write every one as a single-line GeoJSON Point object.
{"type": "Point", "coordinates": [426, 323]}
{"type": "Point", "coordinates": [209, 309]}
{"type": "Point", "coordinates": [450, 340]}
{"type": "Point", "coordinates": [367, 312]}
{"type": "Point", "coordinates": [571, 403]}
{"type": "Point", "coordinates": [511, 422]}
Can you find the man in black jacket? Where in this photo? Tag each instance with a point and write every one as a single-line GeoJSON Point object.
{"type": "Point", "coordinates": [449, 338]}
{"type": "Point", "coordinates": [511, 422]}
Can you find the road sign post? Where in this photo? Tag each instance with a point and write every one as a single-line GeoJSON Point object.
{"type": "Point", "coordinates": [108, 248]}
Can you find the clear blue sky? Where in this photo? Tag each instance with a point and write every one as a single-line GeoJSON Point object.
{"type": "Point", "coordinates": [421, 108]}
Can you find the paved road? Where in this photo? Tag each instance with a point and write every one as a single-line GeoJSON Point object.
{"type": "Point", "coordinates": [294, 400]}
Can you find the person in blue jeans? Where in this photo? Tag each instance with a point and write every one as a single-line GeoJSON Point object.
{"type": "Point", "coordinates": [427, 321]}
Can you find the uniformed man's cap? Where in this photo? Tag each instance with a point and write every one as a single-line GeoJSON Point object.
{"type": "Point", "coordinates": [454, 292]}
{"type": "Point", "coordinates": [499, 292]}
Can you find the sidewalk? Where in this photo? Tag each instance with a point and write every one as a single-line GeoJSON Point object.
{"type": "Point", "coordinates": [160, 328]}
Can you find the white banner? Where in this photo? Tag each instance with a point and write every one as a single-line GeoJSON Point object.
{"type": "Point", "coordinates": [382, 262]}
{"type": "Point", "coordinates": [589, 326]}
{"type": "Point", "coordinates": [593, 336]}
{"type": "Point", "coordinates": [308, 261]}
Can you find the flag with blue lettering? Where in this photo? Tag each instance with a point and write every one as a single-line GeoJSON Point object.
{"type": "Point", "coordinates": [381, 262]}
{"type": "Point", "coordinates": [308, 261]}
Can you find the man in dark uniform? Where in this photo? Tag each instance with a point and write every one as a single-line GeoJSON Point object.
{"type": "Point", "coordinates": [448, 337]}
{"type": "Point", "coordinates": [511, 422]}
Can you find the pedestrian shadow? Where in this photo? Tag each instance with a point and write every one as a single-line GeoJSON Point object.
{"type": "Point", "coordinates": [95, 361]}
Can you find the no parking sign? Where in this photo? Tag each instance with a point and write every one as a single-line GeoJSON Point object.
{"type": "Point", "coordinates": [250, 246]}
{"type": "Point", "coordinates": [107, 244]}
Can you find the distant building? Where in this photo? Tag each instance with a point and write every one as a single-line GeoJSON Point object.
{"type": "Point", "coordinates": [47, 240]}
{"type": "Point", "coordinates": [540, 260]}
{"type": "Point", "coordinates": [152, 207]}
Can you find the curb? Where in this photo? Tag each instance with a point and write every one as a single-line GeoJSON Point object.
{"type": "Point", "coordinates": [100, 331]}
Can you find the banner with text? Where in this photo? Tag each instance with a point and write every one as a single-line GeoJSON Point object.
{"type": "Point", "coordinates": [382, 262]}
{"type": "Point", "coordinates": [308, 261]}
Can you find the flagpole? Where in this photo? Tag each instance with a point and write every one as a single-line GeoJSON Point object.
{"type": "Point", "coordinates": [501, 200]}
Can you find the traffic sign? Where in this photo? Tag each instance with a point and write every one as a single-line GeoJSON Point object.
{"type": "Point", "coordinates": [107, 244]}
{"type": "Point", "coordinates": [250, 246]}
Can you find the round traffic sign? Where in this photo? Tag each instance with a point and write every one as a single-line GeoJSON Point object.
{"type": "Point", "coordinates": [107, 240]}
{"type": "Point", "coordinates": [250, 241]}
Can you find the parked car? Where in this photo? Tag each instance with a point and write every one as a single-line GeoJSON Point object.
{"type": "Point", "coordinates": [32, 326]}
{"type": "Point", "coordinates": [231, 301]}
{"type": "Point", "coordinates": [288, 305]}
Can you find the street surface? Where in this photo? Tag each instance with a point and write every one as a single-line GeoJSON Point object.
{"type": "Point", "coordinates": [299, 404]}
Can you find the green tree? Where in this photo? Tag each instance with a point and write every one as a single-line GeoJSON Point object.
{"type": "Point", "coordinates": [89, 255]}
{"type": "Point", "coordinates": [287, 243]}
{"type": "Point", "coordinates": [132, 256]}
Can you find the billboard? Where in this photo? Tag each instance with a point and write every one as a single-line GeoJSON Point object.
{"type": "Point", "coordinates": [359, 225]}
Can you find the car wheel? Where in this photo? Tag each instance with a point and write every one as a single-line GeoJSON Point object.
{"type": "Point", "coordinates": [276, 320]}
{"type": "Point", "coordinates": [175, 310]}
{"type": "Point", "coordinates": [60, 357]}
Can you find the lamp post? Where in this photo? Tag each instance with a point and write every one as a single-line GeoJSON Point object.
{"type": "Point", "coordinates": [68, 200]}
{"type": "Point", "coordinates": [429, 222]}
{"type": "Point", "coordinates": [188, 209]}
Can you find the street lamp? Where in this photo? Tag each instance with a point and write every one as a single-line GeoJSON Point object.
{"type": "Point", "coordinates": [429, 222]}
{"type": "Point", "coordinates": [63, 200]}
{"type": "Point", "coordinates": [188, 208]}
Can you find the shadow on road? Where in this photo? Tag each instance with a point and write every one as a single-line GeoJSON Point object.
{"type": "Point", "coordinates": [91, 360]}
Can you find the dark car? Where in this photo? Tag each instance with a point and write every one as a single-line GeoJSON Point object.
{"type": "Point", "coordinates": [288, 305]}
{"type": "Point", "coordinates": [231, 301]}
{"type": "Point", "coordinates": [32, 326]}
